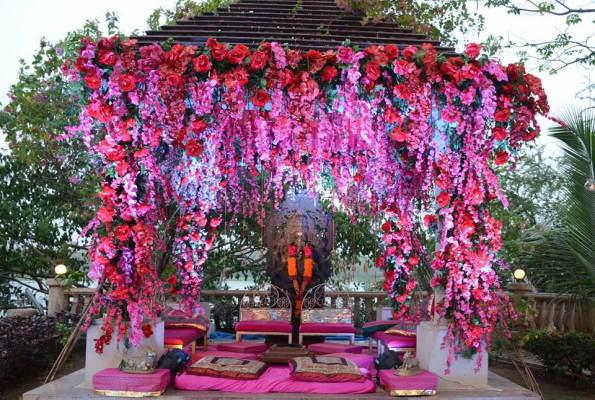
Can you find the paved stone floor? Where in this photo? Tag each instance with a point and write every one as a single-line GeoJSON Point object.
{"type": "Point", "coordinates": [72, 387]}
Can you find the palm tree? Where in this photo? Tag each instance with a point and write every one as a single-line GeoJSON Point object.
{"type": "Point", "coordinates": [560, 255]}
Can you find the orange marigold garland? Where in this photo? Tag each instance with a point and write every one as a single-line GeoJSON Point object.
{"type": "Point", "coordinates": [293, 274]}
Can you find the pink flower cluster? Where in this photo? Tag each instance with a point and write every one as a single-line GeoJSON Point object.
{"type": "Point", "coordinates": [217, 129]}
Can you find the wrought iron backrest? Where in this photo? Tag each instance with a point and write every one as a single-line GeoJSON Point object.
{"type": "Point", "coordinates": [265, 302]}
{"type": "Point", "coordinates": [325, 304]}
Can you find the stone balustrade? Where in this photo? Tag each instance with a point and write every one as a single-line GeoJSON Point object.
{"type": "Point", "coordinates": [548, 309]}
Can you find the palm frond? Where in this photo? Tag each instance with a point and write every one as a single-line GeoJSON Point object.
{"type": "Point", "coordinates": [561, 254]}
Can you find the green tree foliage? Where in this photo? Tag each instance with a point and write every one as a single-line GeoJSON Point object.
{"type": "Point", "coordinates": [46, 186]}
{"type": "Point", "coordinates": [562, 48]}
{"type": "Point", "coordinates": [533, 189]}
{"type": "Point", "coordinates": [560, 254]}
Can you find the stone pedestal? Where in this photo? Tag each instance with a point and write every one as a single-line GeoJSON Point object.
{"type": "Point", "coordinates": [57, 297]}
{"type": "Point", "coordinates": [112, 356]}
{"type": "Point", "coordinates": [433, 359]}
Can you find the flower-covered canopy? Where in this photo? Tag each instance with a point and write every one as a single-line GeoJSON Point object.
{"type": "Point", "coordinates": [402, 133]}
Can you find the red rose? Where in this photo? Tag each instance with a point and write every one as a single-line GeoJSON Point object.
{"type": "Point", "coordinates": [398, 135]}
{"type": "Point", "coordinates": [172, 280]}
{"type": "Point", "coordinates": [106, 214]}
{"type": "Point", "coordinates": [147, 330]}
{"type": "Point", "coordinates": [93, 82]}
{"type": "Point", "coordinates": [285, 77]}
{"type": "Point", "coordinates": [443, 199]}
{"type": "Point", "coordinates": [530, 135]}
{"type": "Point", "coordinates": [237, 54]}
{"type": "Point", "coordinates": [409, 52]}
{"type": "Point", "coordinates": [328, 74]}
{"type": "Point", "coordinates": [219, 52]}
{"type": "Point", "coordinates": [502, 115]}
{"type": "Point", "coordinates": [402, 91]}
{"type": "Point", "coordinates": [315, 61]}
{"type": "Point", "coordinates": [500, 133]}
{"type": "Point", "coordinates": [79, 64]}
{"type": "Point", "coordinates": [502, 157]}
{"type": "Point", "coordinates": [293, 58]}
{"type": "Point", "coordinates": [430, 220]}
{"type": "Point", "coordinates": [260, 98]}
{"type": "Point", "coordinates": [513, 72]}
{"type": "Point", "coordinates": [392, 52]}
{"type": "Point", "coordinates": [202, 63]}
{"type": "Point", "coordinates": [105, 114]}
{"type": "Point", "coordinates": [473, 50]}
{"type": "Point", "coordinates": [345, 54]}
{"type": "Point", "coordinates": [390, 116]}
{"type": "Point", "coordinates": [258, 60]}
{"type": "Point", "coordinates": [121, 168]}
{"type": "Point", "coordinates": [193, 148]}
{"type": "Point", "coordinates": [126, 82]}
{"type": "Point", "coordinates": [107, 57]}
{"type": "Point", "coordinates": [198, 126]}
{"type": "Point", "coordinates": [174, 80]}
{"type": "Point", "coordinates": [373, 70]}
{"type": "Point", "coordinates": [386, 226]}
{"type": "Point", "coordinates": [116, 153]}
{"type": "Point", "coordinates": [211, 42]}
{"type": "Point", "coordinates": [122, 232]}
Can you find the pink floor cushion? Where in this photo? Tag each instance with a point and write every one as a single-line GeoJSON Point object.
{"type": "Point", "coordinates": [314, 327]}
{"type": "Point", "coordinates": [113, 382]}
{"type": "Point", "coordinates": [181, 336]}
{"type": "Point", "coordinates": [276, 379]}
{"type": "Point", "coordinates": [228, 354]}
{"type": "Point", "coordinates": [395, 341]}
{"type": "Point", "coordinates": [361, 360]}
{"type": "Point", "coordinates": [243, 347]}
{"type": "Point", "coordinates": [326, 348]}
{"type": "Point", "coordinates": [424, 384]}
{"type": "Point", "coordinates": [263, 326]}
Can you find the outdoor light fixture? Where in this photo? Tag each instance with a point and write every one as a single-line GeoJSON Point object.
{"type": "Point", "coordinates": [519, 274]}
{"type": "Point", "coordinates": [60, 269]}
{"type": "Point", "coordinates": [590, 183]}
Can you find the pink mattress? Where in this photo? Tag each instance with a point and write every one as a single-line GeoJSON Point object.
{"type": "Point", "coordinates": [275, 380]}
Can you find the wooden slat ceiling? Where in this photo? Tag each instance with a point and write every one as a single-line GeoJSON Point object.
{"type": "Point", "coordinates": [315, 24]}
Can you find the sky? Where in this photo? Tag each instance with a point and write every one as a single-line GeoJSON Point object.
{"type": "Point", "coordinates": [24, 22]}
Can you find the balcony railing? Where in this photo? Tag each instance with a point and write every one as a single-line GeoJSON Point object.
{"type": "Point", "coordinates": [549, 309]}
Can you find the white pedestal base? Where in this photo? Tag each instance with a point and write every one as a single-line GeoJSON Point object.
{"type": "Point", "coordinates": [112, 356]}
{"type": "Point", "coordinates": [432, 358]}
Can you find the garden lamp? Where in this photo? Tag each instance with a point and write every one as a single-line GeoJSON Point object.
{"type": "Point", "coordinates": [519, 274]}
{"type": "Point", "coordinates": [60, 269]}
{"type": "Point", "coordinates": [590, 183]}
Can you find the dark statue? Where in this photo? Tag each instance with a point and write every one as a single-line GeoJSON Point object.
{"type": "Point", "coordinates": [300, 219]}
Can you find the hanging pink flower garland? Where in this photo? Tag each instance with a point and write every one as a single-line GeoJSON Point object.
{"type": "Point", "coordinates": [217, 128]}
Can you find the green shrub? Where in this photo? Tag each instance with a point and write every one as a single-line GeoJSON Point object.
{"type": "Point", "coordinates": [30, 344]}
{"type": "Point", "coordinates": [572, 352]}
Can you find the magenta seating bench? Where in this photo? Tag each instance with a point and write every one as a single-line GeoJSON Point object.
{"type": "Point", "coordinates": [178, 338]}
{"type": "Point", "coordinates": [265, 310]}
{"type": "Point", "coordinates": [326, 314]}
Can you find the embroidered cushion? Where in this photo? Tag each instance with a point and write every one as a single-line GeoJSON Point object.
{"type": "Point", "coordinates": [324, 369]}
{"type": "Point", "coordinates": [402, 330]}
{"type": "Point", "coordinates": [184, 319]}
{"type": "Point", "coordinates": [310, 327]}
{"type": "Point", "coordinates": [228, 368]}
{"type": "Point", "coordinates": [377, 326]}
